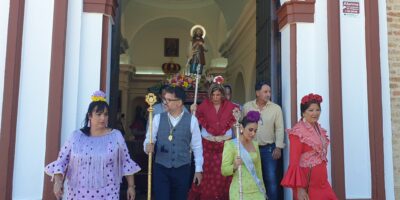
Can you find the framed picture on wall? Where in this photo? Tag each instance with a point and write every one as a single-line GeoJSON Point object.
{"type": "Point", "coordinates": [171, 47]}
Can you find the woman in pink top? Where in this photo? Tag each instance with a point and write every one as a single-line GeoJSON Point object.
{"type": "Point", "coordinates": [307, 172]}
{"type": "Point", "coordinates": [94, 159]}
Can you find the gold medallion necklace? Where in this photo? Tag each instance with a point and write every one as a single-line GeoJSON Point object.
{"type": "Point", "coordinates": [171, 130]}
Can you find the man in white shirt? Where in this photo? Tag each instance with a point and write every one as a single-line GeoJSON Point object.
{"type": "Point", "coordinates": [175, 133]}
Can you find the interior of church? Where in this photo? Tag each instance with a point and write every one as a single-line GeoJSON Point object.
{"type": "Point", "coordinates": [155, 44]}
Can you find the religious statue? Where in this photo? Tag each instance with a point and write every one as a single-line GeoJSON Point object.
{"type": "Point", "coordinates": [196, 53]}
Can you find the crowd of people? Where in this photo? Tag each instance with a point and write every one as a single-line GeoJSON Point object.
{"type": "Point", "coordinates": [94, 160]}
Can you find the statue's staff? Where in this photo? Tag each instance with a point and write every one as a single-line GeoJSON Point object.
{"type": "Point", "coordinates": [151, 99]}
{"type": "Point", "coordinates": [237, 114]}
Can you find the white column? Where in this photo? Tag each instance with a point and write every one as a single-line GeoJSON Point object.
{"type": "Point", "coordinates": [286, 108]}
{"type": "Point", "coordinates": [312, 64]}
{"type": "Point", "coordinates": [71, 70]}
{"type": "Point", "coordinates": [33, 100]}
{"type": "Point", "coordinates": [355, 106]}
{"type": "Point", "coordinates": [386, 110]}
{"type": "Point", "coordinates": [4, 11]}
{"type": "Point", "coordinates": [90, 62]}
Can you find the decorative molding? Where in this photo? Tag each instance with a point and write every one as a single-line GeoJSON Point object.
{"type": "Point", "coordinates": [107, 7]}
{"type": "Point", "coordinates": [296, 11]}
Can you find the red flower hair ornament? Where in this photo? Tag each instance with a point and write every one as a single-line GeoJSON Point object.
{"type": "Point", "coordinates": [314, 98]}
{"type": "Point", "coordinates": [219, 79]}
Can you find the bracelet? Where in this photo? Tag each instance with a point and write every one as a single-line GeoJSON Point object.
{"type": "Point", "coordinates": [132, 186]}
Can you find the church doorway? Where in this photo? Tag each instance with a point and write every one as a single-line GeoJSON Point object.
{"type": "Point", "coordinates": [140, 35]}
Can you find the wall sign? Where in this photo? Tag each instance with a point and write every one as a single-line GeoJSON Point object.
{"type": "Point", "coordinates": [351, 7]}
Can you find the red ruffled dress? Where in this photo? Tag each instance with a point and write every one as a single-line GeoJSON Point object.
{"type": "Point", "coordinates": [213, 185]}
{"type": "Point", "coordinates": [307, 167]}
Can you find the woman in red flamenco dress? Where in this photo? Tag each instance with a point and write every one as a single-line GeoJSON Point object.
{"type": "Point", "coordinates": [216, 119]}
{"type": "Point", "coordinates": [307, 173]}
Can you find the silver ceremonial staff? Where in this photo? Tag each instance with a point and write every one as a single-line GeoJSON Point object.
{"type": "Point", "coordinates": [237, 115]}
{"type": "Point", "coordinates": [151, 99]}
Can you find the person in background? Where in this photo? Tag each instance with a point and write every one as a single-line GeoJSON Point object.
{"type": "Point", "coordinates": [159, 107]}
{"type": "Point", "coordinates": [216, 119]}
{"type": "Point", "coordinates": [120, 123]}
{"type": "Point", "coordinates": [228, 95]}
{"type": "Point", "coordinates": [252, 182]}
{"type": "Point", "coordinates": [94, 159]}
{"type": "Point", "coordinates": [307, 173]}
{"type": "Point", "coordinates": [175, 133]}
{"type": "Point", "coordinates": [270, 137]}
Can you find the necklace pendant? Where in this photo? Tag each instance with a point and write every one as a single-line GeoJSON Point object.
{"type": "Point", "coordinates": [170, 137]}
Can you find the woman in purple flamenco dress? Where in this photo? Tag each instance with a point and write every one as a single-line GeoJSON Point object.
{"type": "Point", "coordinates": [94, 159]}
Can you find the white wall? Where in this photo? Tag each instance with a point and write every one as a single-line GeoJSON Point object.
{"type": "Point", "coordinates": [33, 100]}
{"type": "Point", "coordinates": [71, 70]}
{"type": "Point", "coordinates": [138, 15]}
{"type": "Point", "coordinates": [4, 11]}
{"type": "Point", "coordinates": [355, 106]}
{"type": "Point", "coordinates": [90, 62]}
{"type": "Point", "coordinates": [147, 47]}
{"type": "Point", "coordinates": [386, 109]}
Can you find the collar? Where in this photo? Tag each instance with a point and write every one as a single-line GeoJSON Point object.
{"type": "Point", "coordinates": [175, 118]}
{"type": "Point", "coordinates": [254, 103]}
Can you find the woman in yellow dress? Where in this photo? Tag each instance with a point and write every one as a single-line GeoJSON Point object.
{"type": "Point", "coordinates": [252, 182]}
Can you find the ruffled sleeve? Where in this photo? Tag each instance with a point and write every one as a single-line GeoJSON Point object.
{"type": "Point", "coordinates": [129, 167]}
{"type": "Point", "coordinates": [60, 165]}
{"type": "Point", "coordinates": [295, 176]}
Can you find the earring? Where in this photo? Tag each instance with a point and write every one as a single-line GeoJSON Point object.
{"type": "Point", "coordinates": [88, 124]}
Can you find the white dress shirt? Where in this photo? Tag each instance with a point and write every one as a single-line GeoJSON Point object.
{"type": "Point", "coordinates": [195, 143]}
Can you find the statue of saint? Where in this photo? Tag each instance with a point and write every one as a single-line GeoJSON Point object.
{"type": "Point", "coordinates": [197, 49]}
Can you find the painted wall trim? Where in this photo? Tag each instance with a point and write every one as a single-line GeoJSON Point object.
{"type": "Point", "coordinates": [104, 54]}
{"type": "Point", "coordinates": [375, 118]}
{"type": "Point", "coordinates": [11, 96]}
{"type": "Point", "coordinates": [296, 11]}
{"type": "Point", "coordinates": [56, 88]}
{"type": "Point", "coordinates": [107, 7]}
{"type": "Point", "coordinates": [335, 99]}
{"type": "Point", "coordinates": [293, 74]}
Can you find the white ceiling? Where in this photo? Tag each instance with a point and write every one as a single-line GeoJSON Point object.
{"type": "Point", "coordinates": [146, 22]}
{"type": "Point", "coordinates": [231, 9]}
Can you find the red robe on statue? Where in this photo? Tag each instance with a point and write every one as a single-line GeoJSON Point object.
{"type": "Point", "coordinates": [213, 186]}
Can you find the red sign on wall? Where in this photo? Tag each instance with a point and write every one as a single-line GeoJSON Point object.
{"type": "Point", "coordinates": [351, 7]}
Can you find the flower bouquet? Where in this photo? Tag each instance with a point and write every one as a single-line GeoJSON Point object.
{"type": "Point", "coordinates": [181, 80]}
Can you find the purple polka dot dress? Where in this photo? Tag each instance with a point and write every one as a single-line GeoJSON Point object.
{"type": "Point", "coordinates": [93, 166]}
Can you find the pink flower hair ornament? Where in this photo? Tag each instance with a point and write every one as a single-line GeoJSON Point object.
{"type": "Point", "coordinates": [314, 98]}
{"type": "Point", "coordinates": [98, 96]}
{"type": "Point", "coordinates": [219, 79]}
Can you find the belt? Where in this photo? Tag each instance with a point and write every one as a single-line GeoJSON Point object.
{"type": "Point", "coordinates": [220, 138]}
{"type": "Point", "coordinates": [265, 145]}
